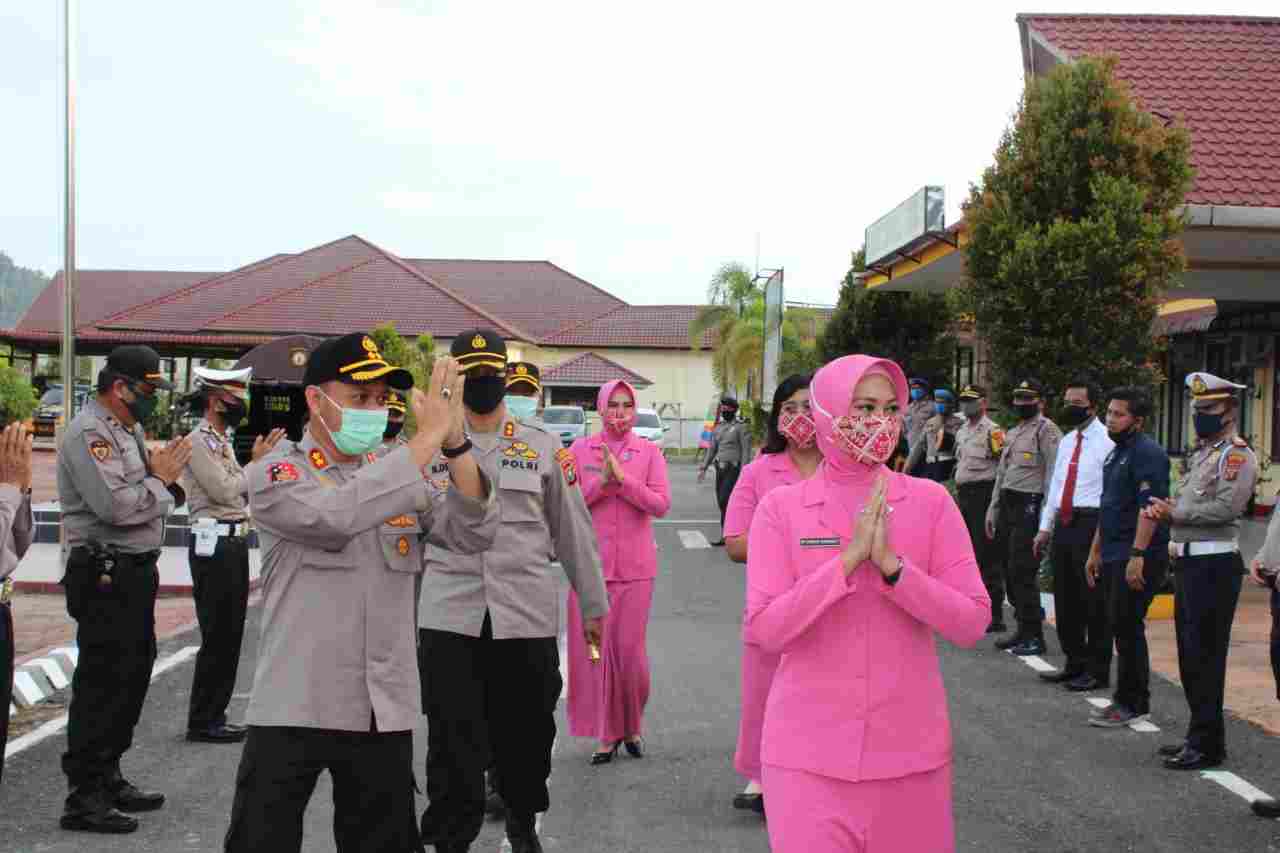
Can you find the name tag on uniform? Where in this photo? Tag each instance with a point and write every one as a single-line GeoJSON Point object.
{"type": "Point", "coordinates": [821, 542]}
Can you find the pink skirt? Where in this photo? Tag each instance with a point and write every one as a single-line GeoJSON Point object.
{"type": "Point", "coordinates": [758, 667]}
{"type": "Point", "coordinates": [809, 813]}
{"type": "Point", "coordinates": [607, 698]}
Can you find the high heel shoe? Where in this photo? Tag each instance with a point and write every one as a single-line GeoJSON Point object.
{"type": "Point", "coordinates": [605, 757]}
{"type": "Point", "coordinates": [635, 748]}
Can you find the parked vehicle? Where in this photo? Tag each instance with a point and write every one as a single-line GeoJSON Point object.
{"type": "Point", "coordinates": [649, 425]}
{"type": "Point", "coordinates": [49, 411]}
{"type": "Point", "coordinates": [568, 422]}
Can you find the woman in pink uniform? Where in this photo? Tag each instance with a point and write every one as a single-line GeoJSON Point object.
{"type": "Point", "coordinates": [850, 574]}
{"type": "Point", "coordinates": [624, 481]}
{"type": "Point", "coordinates": [788, 456]}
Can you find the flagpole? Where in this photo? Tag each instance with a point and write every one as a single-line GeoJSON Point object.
{"type": "Point", "coordinates": [69, 220]}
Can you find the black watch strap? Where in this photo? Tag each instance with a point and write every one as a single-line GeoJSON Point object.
{"type": "Point", "coordinates": [1137, 552]}
{"type": "Point", "coordinates": [455, 452]}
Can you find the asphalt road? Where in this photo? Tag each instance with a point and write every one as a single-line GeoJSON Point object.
{"type": "Point", "coordinates": [1030, 773]}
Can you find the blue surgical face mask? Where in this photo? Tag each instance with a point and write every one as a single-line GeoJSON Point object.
{"type": "Point", "coordinates": [362, 429]}
{"type": "Point", "coordinates": [916, 394]}
{"type": "Point", "coordinates": [941, 407]}
{"type": "Point", "coordinates": [522, 408]}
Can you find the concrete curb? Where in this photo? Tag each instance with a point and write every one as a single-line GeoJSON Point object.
{"type": "Point", "coordinates": [37, 680]}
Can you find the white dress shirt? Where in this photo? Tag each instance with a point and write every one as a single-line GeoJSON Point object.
{"type": "Point", "coordinates": [1093, 455]}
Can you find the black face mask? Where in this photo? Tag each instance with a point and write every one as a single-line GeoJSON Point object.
{"type": "Point", "coordinates": [1075, 415]}
{"type": "Point", "coordinates": [1207, 424]}
{"type": "Point", "coordinates": [1120, 437]}
{"type": "Point", "coordinates": [482, 394]}
{"type": "Point", "coordinates": [393, 429]}
{"type": "Point", "coordinates": [1026, 411]}
{"type": "Point", "coordinates": [729, 415]}
{"type": "Point", "coordinates": [234, 412]}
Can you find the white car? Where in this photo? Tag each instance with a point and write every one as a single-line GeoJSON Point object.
{"type": "Point", "coordinates": [649, 425]}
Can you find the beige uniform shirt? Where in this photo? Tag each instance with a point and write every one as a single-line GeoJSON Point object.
{"type": "Point", "coordinates": [730, 445]}
{"type": "Point", "coordinates": [918, 414]}
{"type": "Point", "coordinates": [930, 446]}
{"type": "Point", "coordinates": [978, 449]}
{"type": "Point", "coordinates": [543, 513]}
{"type": "Point", "coordinates": [106, 492]}
{"type": "Point", "coordinates": [1270, 552]}
{"type": "Point", "coordinates": [16, 526]}
{"type": "Point", "coordinates": [1026, 466]}
{"type": "Point", "coordinates": [341, 545]}
{"type": "Point", "coordinates": [213, 480]}
{"type": "Point", "coordinates": [1213, 494]}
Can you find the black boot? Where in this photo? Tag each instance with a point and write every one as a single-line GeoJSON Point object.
{"type": "Point", "coordinates": [126, 796]}
{"type": "Point", "coordinates": [91, 810]}
{"type": "Point", "coordinates": [1016, 638]}
{"type": "Point", "coordinates": [522, 832]}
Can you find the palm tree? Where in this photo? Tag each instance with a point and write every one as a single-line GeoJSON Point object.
{"type": "Point", "coordinates": [735, 314]}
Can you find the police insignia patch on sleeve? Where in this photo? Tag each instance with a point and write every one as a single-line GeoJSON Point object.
{"type": "Point", "coordinates": [568, 465]}
{"type": "Point", "coordinates": [282, 472]}
{"type": "Point", "coordinates": [1234, 462]}
{"type": "Point", "coordinates": [100, 449]}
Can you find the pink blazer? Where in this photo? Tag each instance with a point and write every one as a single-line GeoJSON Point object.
{"type": "Point", "coordinates": [759, 478]}
{"type": "Point", "coordinates": [623, 515]}
{"type": "Point", "coordinates": [858, 694]}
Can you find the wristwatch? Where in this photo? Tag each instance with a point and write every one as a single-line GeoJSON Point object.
{"type": "Point", "coordinates": [1137, 552]}
{"type": "Point", "coordinates": [455, 452]}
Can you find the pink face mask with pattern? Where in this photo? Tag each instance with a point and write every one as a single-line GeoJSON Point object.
{"type": "Point", "coordinates": [869, 439]}
{"type": "Point", "coordinates": [798, 427]}
{"type": "Point", "coordinates": [618, 420]}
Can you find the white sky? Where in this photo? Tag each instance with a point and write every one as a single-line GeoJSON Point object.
{"type": "Point", "coordinates": [637, 145]}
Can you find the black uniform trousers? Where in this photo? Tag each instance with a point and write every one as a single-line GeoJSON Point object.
{"type": "Point", "coordinates": [726, 479]}
{"type": "Point", "coordinates": [1206, 591]}
{"type": "Point", "coordinates": [974, 498]}
{"type": "Point", "coordinates": [941, 470]}
{"type": "Point", "coordinates": [487, 701]}
{"type": "Point", "coordinates": [373, 790]}
{"type": "Point", "coordinates": [6, 673]}
{"type": "Point", "coordinates": [220, 587]}
{"type": "Point", "coordinates": [1127, 609]}
{"type": "Point", "coordinates": [1015, 534]}
{"type": "Point", "coordinates": [116, 635]}
{"type": "Point", "coordinates": [1084, 628]}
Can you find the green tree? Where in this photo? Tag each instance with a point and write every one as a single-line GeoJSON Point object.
{"type": "Point", "coordinates": [1073, 232]}
{"type": "Point", "coordinates": [802, 329]}
{"type": "Point", "coordinates": [913, 329]}
{"type": "Point", "coordinates": [19, 287]}
{"type": "Point", "coordinates": [17, 397]}
{"type": "Point", "coordinates": [735, 314]}
{"type": "Point", "coordinates": [417, 356]}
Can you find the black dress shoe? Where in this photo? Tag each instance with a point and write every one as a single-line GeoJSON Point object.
{"type": "Point", "coordinates": [522, 832]}
{"type": "Point", "coordinates": [749, 802]}
{"type": "Point", "coordinates": [128, 798]}
{"type": "Point", "coordinates": [1192, 759]}
{"type": "Point", "coordinates": [1084, 683]}
{"type": "Point", "coordinates": [996, 628]}
{"type": "Point", "coordinates": [598, 758]}
{"type": "Point", "coordinates": [224, 733]}
{"type": "Point", "coordinates": [1169, 750]}
{"type": "Point", "coordinates": [1010, 641]}
{"type": "Point", "coordinates": [1062, 675]}
{"type": "Point", "coordinates": [1030, 646]}
{"type": "Point", "coordinates": [1266, 808]}
{"type": "Point", "coordinates": [92, 812]}
{"type": "Point", "coordinates": [635, 748]}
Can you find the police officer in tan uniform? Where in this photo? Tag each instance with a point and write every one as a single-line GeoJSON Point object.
{"type": "Point", "coordinates": [115, 496]}
{"type": "Point", "coordinates": [979, 442]}
{"type": "Point", "coordinates": [1204, 529]}
{"type": "Point", "coordinates": [397, 410]}
{"type": "Point", "coordinates": [1013, 518]}
{"type": "Point", "coordinates": [342, 532]}
{"type": "Point", "coordinates": [937, 445]}
{"type": "Point", "coordinates": [489, 622]}
{"type": "Point", "coordinates": [16, 526]}
{"type": "Point", "coordinates": [219, 547]}
{"type": "Point", "coordinates": [524, 391]}
{"type": "Point", "coordinates": [730, 452]}
{"type": "Point", "coordinates": [919, 411]}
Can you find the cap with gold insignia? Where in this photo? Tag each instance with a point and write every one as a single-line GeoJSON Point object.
{"type": "Point", "coordinates": [524, 373]}
{"type": "Point", "coordinates": [973, 392]}
{"type": "Point", "coordinates": [235, 382]}
{"type": "Point", "coordinates": [1028, 389]}
{"type": "Point", "coordinates": [139, 363]}
{"type": "Point", "coordinates": [480, 348]}
{"type": "Point", "coordinates": [395, 403]}
{"type": "Point", "coordinates": [353, 358]}
{"type": "Point", "coordinates": [1206, 386]}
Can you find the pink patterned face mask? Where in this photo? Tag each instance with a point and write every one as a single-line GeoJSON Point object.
{"type": "Point", "coordinates": [869, 439]}
{"type": "Point", "coordinates": [798, 427]}
{"type": "Point", "coordinates": [619, 420]}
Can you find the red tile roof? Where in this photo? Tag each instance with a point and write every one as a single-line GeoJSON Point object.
{"type": "Point", "coordinates": [648, 326]}
{"type": "Point", "coordinates": [591, 369]}
{"type": "Point", "coordinates": [100, 293]}
{"type": "Point", "coordinates": [538, 296]}
{"type": "Point", "coordinates": [1220, 76]}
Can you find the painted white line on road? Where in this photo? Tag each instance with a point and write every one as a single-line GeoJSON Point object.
{"type": "Point", "coordinates": [1235, 784]}
{"type": "Point", "coordinates": [686, 521]}
{"type": "Point", "coordinates": [693, 540]}
{"type": "Point", "coordinates": [59, 723]}
{"type": "Point", "coordinates": [1144, 727]}
{"type": "Point", "coordinates": [1038, 663]}
{"type": "Point", "coordinates": [71, 653]}
{"type": "Point", "coordinates": [1099, 702]}
{"type": "Point", "coordinates": [56, 676]}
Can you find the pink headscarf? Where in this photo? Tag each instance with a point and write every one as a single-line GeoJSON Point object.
{"type": "Point", "coordinates": [613, 439]}
{"type": "Point", "coordinates": [831, 392]}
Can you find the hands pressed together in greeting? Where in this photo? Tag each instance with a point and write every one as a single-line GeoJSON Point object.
{"type": "Point", "coordinates": [612, 467]}
{"type": "Point", "coordinates": [870, 539]}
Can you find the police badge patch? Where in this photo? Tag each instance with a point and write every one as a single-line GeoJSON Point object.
{"type": "Point", "coordinates": [282, 472]}
{"type": "Point", "coordinates": [568, 465]}
{"type": "Point", "coordinates": [100, 449]}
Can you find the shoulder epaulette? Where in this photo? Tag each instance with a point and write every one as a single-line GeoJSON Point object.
{"type": "Point", "coordinates": [1239, 442]}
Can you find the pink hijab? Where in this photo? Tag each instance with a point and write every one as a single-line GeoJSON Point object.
{"type": "Point", "coordinates": [831, 393]}
{"type": "Point", "coordinates": [611, 438]}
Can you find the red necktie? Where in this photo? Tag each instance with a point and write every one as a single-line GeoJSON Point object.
{"type": "Point", "coordinates": [1069, 490]}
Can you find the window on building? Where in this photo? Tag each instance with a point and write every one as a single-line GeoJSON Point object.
{"type": "Point", "coordinates": [965, 368]}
